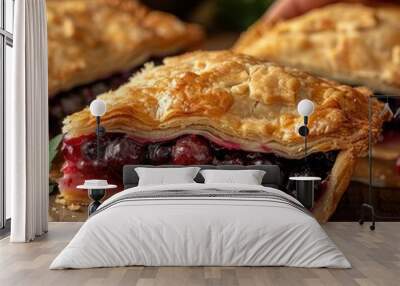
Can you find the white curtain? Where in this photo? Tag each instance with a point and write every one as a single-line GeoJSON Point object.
{"type": "Point", "coordinates": [27, 124]}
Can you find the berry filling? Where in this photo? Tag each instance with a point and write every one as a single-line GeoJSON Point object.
{"type": "Point", "coordinates": [117, 150]}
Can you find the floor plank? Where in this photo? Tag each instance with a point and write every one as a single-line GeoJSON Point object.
{"type": "Point", "coordinates": [375, 257]}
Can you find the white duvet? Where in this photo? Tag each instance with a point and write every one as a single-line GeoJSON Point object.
{"type": "Point", "coordinates": [227, 231]}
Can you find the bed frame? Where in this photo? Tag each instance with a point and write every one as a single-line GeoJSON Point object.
{"type": "Point", "coordinates": [271, 179]}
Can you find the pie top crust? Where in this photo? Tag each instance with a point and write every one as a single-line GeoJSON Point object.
{"type": "Point", "coordinates": [92, 39]}
{"type": "Point", "coordinates": [238, 101]}
{"type": "Point", "coordinates": [352, 43]}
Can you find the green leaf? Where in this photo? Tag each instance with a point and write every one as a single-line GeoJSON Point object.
{"type": "Point", "coordinates": [52, 188]}
{"type": "Point", "coordinates": [53, 147]}
{"type": "Point", "coordinates": [240, 14]}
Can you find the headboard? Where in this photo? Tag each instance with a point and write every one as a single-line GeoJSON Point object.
{"type": "Point", "coordinates": [272, 177]}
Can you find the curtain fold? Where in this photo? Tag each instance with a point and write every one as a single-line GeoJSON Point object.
{"type": "Point", "coordinates": [28, 124]}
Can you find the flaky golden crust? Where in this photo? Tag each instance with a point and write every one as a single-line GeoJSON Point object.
{"type": "Point", "coordinates": [92, 39]}
{"type": "Point", "coordinates": [243, 102]}
{"type": "Point", "coordinates": [352, 43]}
{"type": "Point", "coordinates": [236, 99]}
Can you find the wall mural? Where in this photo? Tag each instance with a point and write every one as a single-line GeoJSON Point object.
{"type": "Point", "coordinates": [96, 46]}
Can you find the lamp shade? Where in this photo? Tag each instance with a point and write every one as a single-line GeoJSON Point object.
{"type": "Point", "coordinates": [305, 107]}
{"type": "Point", "coordinates": [98, 107]}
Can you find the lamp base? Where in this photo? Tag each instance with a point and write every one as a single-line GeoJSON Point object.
{"type": "Point", "coordinates": [96, 195]}
{"type": "Point", "coordinates": [372, 210]}
{"type": "Point", "coordinates": [305, 193]}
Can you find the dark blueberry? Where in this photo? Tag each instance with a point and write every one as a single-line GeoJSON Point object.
{"type": "Point", "coordinates": [159, 153]}
{"type": "Point", "coordinates": [232, 161]}
{"type": "Point", "coordinates": [190, 150]}
{"type": "Point", "coordinates": [89, 148]}
{"type": "Point", "coordinates": [232, 157]}
{"type": "Point", "coordinates": [251, 156]}
{"type": "Point", "coordinates": [218, 151]}
{"type": "Point", "coordinates": [122, 151]}
{"type": "Point", "coordinates": [254, 158]}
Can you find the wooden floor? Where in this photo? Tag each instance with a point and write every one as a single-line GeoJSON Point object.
{"type": "Point", "coordinates": [375, 257]}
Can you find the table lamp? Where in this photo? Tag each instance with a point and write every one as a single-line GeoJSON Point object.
{"type": "Point", "coordinates": [305, 184]}
{"type": "Point", "coordinates": [97, 188]}
{"type": "Point", "coordinates": [98, 109]}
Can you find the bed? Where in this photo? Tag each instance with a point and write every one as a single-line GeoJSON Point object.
{"type": "Point", "coordinates": [198, 224]}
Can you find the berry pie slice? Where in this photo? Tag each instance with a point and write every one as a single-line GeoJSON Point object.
{"type": "Point", "coordinates": [223, 108]}
{"type": "Point", "coordinates": [90, 40]}
{"type": "Point", "coordinates": [352, 43]}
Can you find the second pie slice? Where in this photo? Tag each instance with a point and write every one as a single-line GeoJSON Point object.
{"type": "Point", "coordinates": [352, 43]}
{"type": "Point", "coordinates": [91, 40]}
{"type": "Point", "coordinates": [223, 108]}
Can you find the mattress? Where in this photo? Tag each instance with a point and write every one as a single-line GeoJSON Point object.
{"type": "Point", "coordinates": [201, 225]}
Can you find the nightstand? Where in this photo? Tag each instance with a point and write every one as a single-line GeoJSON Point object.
{"type": "Point", "coordinates": [305, 189]}
{"type": "Point", "coordinates": [96, 191]}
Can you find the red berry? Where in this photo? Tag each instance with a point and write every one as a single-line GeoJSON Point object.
{"type": "Point", "coordinates": [191, 150]}
{"type": "Point", "coordinates": [71, 152]}
{"type": "Point", "coordinates": [69, 167]}
{"type": "Point", "coordinates": [93, 167]}
{"type": "Point", "coordinates": [71, 180]}
{"type": "Point", "coordinates": [76, 141]}
{"type": "Point", "coordinates": [71, 148]}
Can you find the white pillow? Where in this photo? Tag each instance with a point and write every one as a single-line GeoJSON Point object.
{"type": "Point", "coordinates": [163, 176]}
{"type": "Point", "coordinates": [248, 177]}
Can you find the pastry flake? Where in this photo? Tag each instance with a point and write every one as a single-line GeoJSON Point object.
{"type": "Point", "coordinates": [92, 39]}
{"type": "Point", "coordinates": [240, 103]}
{"type": "Point", "coordinates": [352, 43]}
